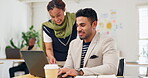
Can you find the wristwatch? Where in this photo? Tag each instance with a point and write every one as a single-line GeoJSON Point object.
{"type": "Point", "coordinates": [79, 72]}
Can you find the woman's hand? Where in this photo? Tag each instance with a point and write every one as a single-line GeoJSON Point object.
{"type": "Point", "coordinates": [52, 60]}
{"type": "Point", "coordinates": [49, 52]}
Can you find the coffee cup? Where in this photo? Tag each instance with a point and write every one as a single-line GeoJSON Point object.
{"type": "Point", "coordinates": [51, 70]}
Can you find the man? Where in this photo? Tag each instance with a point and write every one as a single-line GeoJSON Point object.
{"type": "Point", "coordinates": [32, 45]}
{"type": "Point", "coordinates": [22, 66]}
{"type": "Point", "coordinates": [93, 53]}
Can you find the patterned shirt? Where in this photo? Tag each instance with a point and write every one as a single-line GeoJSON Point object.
{"type": "Point", "coordinates": [84, 51]}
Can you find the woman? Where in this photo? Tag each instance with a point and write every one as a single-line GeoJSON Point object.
{"type": "Point", "coordinates": [58, 32]}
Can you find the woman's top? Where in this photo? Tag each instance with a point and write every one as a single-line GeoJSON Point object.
{"type": "Point", "coordinates": [60, 43]}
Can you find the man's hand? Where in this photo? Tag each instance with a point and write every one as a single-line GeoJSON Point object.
{"type": "Point", "coordinates": [68, 72]}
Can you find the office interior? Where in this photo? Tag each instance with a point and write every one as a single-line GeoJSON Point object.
{"type": "Point", "coordinates": [117, 18]}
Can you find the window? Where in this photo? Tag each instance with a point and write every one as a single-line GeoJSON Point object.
{"type": "Point", "coordinates": [143, 38]}
{"type": "Point", "coordinates": [143, 32]}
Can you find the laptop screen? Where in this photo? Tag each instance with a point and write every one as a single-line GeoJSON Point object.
{"type": "Point", "coordinates": [35, 61]}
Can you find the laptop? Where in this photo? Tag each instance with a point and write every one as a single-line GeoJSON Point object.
{"type": "Point", "coordinates": [35, 61]}
{"type": "Point", "coordinates": [13, 53]}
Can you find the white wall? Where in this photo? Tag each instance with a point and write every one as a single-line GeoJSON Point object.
{"type": "Point", "coordinates": [40, 14]}
{"type": "Point", "coordinates": [127, 15]}
{"type": "Point", "coordinates": [15, 18]}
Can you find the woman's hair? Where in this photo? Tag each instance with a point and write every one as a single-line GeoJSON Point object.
{"type": "Point", "coordinates": [56, 3]}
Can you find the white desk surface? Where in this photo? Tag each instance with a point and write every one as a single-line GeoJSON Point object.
{"type": "Point", "coordinates": [30, 76]}
{"type": "Point", "coordinates": [7, 63]}
{"type": "Point", "coordinates": [15, 60]}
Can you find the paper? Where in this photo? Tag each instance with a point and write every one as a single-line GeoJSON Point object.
{"type": "Point", "coordinates": [100, 76]}
{"type": "Point", "coordinates": [86, 77]}
{"type": "Point", "coordinates": [107, 76]}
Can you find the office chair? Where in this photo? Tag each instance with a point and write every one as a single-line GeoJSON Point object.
{"type": "Point", "coordinates": [121, 67]}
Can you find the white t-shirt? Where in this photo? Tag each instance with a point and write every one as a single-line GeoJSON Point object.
{"type": "Point", "coordinates": [47, 38]}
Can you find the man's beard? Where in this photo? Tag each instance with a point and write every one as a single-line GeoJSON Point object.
{"type": "Point", "coordinates": [81, 38]}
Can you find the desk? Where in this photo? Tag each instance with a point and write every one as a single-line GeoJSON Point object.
{"type": "Point", "coordinates": [7, 63]}
{"type": "Point", "coordinates": [129, 77]}
{"type": "Point", "coordinates": [136, 63]}
{"type": "Point", "coordinates": [26, 76]}
{"type": "Point", "coordinates": [30, 76]}
{"type": "Point", "coordinates": [16, 60]}
{"type": "Point", "coordinates": [140, 65]}
{"type": "Point", "coordinates": [1, 69]}
{"type": "Point", "coordinates": [13, 60]}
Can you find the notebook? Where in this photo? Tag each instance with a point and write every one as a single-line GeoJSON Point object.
{"type": "Point", "coordinates": [35, 61]}
{"type": "Point", "coordinates": [13, 53]}
{"type": "Point", "coordinates": [100, 76]}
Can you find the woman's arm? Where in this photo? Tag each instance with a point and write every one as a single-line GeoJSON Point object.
{"type": "Point", "coordinates": [49, 49]}
{"type": "Point", "coordinates": [49, 52]}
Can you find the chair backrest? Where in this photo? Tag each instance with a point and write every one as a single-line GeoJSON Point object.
{"type": "Point", "coordinates": [121, 67]}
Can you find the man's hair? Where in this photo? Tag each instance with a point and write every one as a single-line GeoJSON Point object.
{"type": "Point", "coordinates": [56, 3]}
{"type": "Point", "coordinates": [87, 12]}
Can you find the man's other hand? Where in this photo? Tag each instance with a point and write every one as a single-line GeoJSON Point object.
{"type": "Point", "coordinates": [67, 72]}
